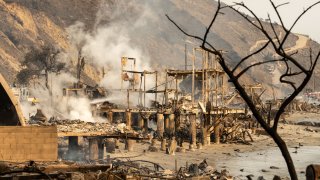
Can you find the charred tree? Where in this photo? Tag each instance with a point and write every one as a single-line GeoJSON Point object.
{"type": "Point", "coordinates": [39, 62]}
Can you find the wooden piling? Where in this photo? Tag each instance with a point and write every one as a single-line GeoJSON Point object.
{"type": "Point", "coordinates": [171, 123]}
{"type": "Point", "coordinates": [166, 123]}
{"type": "Point", "coordinates": [73, 143]}
{"type": "Point", "coordinates": [110, 116]}
{"type": "Point", "coordinates": [73, 147]}
{"type": "Point", "coordinates": [128, 119]}
{"type": "Point", "coordinates": [111, 146]}
{"type": "Point", "coordinates": [93, 149]}
{"type": "Point", "coordinates": [160, 124]}
{"type": "Point", "coordinates": [129, 145]}
{"type": "Point", "coordinates": [193, 129]}
{"type": "Point", "coordinates": [100, 149]}
{"type": "Point", "coordinates": [140, 122]}
{"type": "Point", "coordinates": [217, 134]}
{"type": "Point", "coordinates": [163, 145]}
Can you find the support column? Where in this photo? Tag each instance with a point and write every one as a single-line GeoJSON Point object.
{"type": "Point", "coordinates": [129, 145]}
{"type": "Point", "coordinates": [166, 123]}
{"type": "Point", "coordinates": [163, 145]}
{"type": "Point", "coordinates": [111, 145]}
{"type": "Point", "coordinates": [128, 119]}
{"type": "Point", "coordinates": [172, 124]}
{"type": "Point", "coordinates": [73, 143]}
{"type": "Point", "coordinates": [100, 149]}
{"type": "Point", "coordinates": [206, 123]}
{"type": "Point", "coordinates": [73, 148]}
{"type": "Point", "coordinates": [193, 129]}
{"type": "Point", "coordinates": [160, 124]}
{"type": "Point", "coordinates": [204, 136]}
{"type": "Point", "coordinates": [93, 149]}
{"type": "Point", "coordinates": [140, 122]}
{"type": "Point", "coordinates": [146, 124]}
{"type": "Point", "coordinates": [217, 133]}
{"type": "Point", "coordinates": [110, 116]}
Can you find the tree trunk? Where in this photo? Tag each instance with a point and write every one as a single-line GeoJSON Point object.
{"type": "Point", "coordinates": [285, 153]}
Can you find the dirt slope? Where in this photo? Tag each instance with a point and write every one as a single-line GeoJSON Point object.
{"type": "Point", "coordinates": [34, 23]}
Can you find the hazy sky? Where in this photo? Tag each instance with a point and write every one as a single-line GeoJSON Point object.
{"type": "Point", "coordinates": [309, 25]}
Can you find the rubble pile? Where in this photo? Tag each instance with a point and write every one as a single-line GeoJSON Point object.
{"type": "Point", "coordinates": [202, 170]}
{"type": "Point", "coordinates": [236, 132]}
{"type": "Point", "coordinates": [116, 169]}
{"type": "Point", "coordinates": [147, 169]}
{"type": "Point", "coordinates": [78, 126]}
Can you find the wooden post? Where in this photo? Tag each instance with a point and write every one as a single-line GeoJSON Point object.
{"type": "Point", "coordinates": [217, 132]}
{"type": "Point", "coordinates": [172, 123]}
{"type": "Point", "coordinates": [144, 90]}
{"type": "Point", "coordinates": [128, 98]}
{"type": "Point", "coordinates": [111, 145]}
{"type": "Point", "coordinates": [176, 95]}
{"type": "Point", "coordinates": [73, 143]}
{"type": "Point", "coordinates": [156, 88]}
{"type": "Point", "coordinates": [204, 136]}
{"type": "Point", "coordinates": [93, 149]}
{"type": "Point", "coordinates": [193, 129]}
{"type": "Point", "coordinates": [193, 76]}
{"type": "Point", "coordinates": [129, 145]}
{"type": "Point", "coordinates": [160, 124]}
{"type": "Point", "coordinates": [163, 145]}
{"type": "Point", "coordinates": [73, 147]}
{"type": "Point", "coordinates": [166, 90]}
{"type": "Point", "coordinates": [166, 123]}
{"type": "Point", "coordinates": [128, 119]}
{"type": "Point", "coordinates": [145, 124]}
{"type": "Point", "coordinates": [140, 122]}
{"type": "Point", "coordinates": [206, 77]}
{"type": "Point", "coordinates": [100, 149]}
{"type": "Point", "coordinates": [110, 116]}
{"type": "Point", "coordinates": [203, 77]}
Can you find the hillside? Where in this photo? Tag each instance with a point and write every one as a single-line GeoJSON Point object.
{"type": "Point", "coordinates": [110, 29]}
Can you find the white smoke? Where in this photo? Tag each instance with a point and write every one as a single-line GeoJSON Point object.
{"type": "Point", "coordinates": [107, 43]}
{"type": "Point", "coordinates": [103, 46]}
{"type": "Point", "coordinates": [57, 104]}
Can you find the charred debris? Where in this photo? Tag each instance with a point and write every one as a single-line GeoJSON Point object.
{"type": "Point", "coordinates": [193, 106]}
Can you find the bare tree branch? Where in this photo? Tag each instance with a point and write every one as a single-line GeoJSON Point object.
{"type": "Point", "coordinates": [250, 55]}
{"type": "Point", "coordinates": [295, 22]}
{"type": "Point", "coordinates": [278, 14]}
{"type": "Point", "coordinates": [256, 64]}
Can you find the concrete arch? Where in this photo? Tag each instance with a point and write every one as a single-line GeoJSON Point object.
{"type": "Point", "coordinates": [10, 111]}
